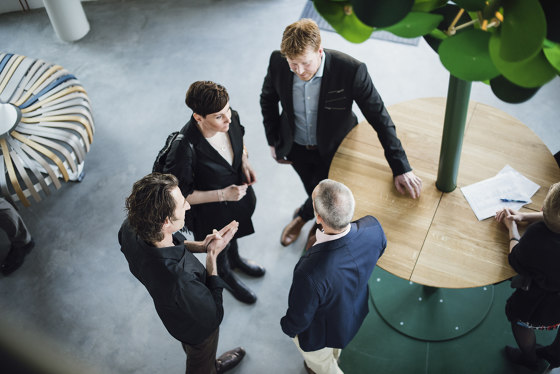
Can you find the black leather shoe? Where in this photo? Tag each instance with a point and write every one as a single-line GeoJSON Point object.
{"type": "Point", "coordinates": [15, 258]}
{"type": "Point", "coordinates": [229, 360]}
{"type": "Point", "coordinates": [249, 267]}
{"type": "Point", "coordinates": [239, 290]}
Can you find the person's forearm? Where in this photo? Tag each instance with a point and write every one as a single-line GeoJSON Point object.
{"type": "Point", "coordinates": [532, 217]}
{"type": "Point", "coordinates": [513, 236]}
{"type": "Point", "coordinates": [211, 266]}
{"type": "Point", "coordinates": [201, 197]}
{"type": "Point", "coordinates": [195, 246]}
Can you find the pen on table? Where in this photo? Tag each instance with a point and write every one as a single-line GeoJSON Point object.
{"type": "Point", "coordinates": [513, 201]}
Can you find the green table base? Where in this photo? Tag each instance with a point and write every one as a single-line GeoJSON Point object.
{"type": "Point", "coordinates": [428, 313]}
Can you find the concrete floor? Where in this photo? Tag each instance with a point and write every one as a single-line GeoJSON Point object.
{"type": "Point", "coordinates": [136, 64]}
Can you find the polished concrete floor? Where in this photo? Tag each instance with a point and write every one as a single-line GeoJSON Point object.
{"type": "Point", "coordinates": [136, 63]}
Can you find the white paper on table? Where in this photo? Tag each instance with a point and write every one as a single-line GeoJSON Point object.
{"type": "Point", "coordinates": [484, 196]}
{"type": "Point", "coordinates": [526, 187]}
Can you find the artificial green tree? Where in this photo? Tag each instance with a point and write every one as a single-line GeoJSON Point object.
{"type": "Point", "coordinates": [512, 45]}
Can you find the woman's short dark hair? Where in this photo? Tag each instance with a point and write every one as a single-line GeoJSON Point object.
{"type": "Point", "coordinates": [150, 203]}
{"type": "Point", "coordinates": [206, 97]}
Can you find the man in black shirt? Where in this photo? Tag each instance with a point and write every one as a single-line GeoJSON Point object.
{"type": "Point", "coordinates": [187, 296]}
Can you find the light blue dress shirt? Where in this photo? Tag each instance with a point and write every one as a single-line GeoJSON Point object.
{"type": "Point", "coordinates": [306, 105]}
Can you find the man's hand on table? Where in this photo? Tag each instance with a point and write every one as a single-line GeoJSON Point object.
{"type": "Point", "coordinates": [408, 183]}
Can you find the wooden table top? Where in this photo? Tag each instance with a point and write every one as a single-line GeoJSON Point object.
{"type": "Point", "coordinates": [437, 240]}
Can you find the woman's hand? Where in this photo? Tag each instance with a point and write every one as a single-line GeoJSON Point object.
{"type": "Point", "coordinates": [248, 171]}
{"type": "Point", "coordinates": [235, 192]}
{"type": "Point", "coordinates": [510, 214]}
{"type": "Point", "coordinates": [508, 217]}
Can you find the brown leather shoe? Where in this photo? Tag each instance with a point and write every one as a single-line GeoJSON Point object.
{"type": "Point", "coordinates": [311, 237]}
{"type": "Point", "coordinates": [229, 360]}
{"type": "Point", "coordinates": [291, 231]}
{"type": "Point", "coordinates": [309, 371]}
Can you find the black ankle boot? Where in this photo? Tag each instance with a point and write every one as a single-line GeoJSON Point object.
{"type": "Point", "coordinates": [249, 267]}
{"type": "Point", "coordinates": [238, 289]}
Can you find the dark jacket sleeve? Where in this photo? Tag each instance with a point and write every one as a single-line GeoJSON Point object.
{"type": "Point", "coordinates": [515, 259]}
{"type": "Point", "coordinates": [216, 286]}
{"type": "Point", "coordinates": [303, 302]}
{"type": "Point", "coordinates": [202, 303]}
{"type": "Point", "coordinates": [179, 162]}
{"type": "Point", "coordinates": [269, 103]}
{"type": "Point", "coordinates": [370, 103]}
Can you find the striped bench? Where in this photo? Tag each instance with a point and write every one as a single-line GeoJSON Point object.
{"type": "Point", "coordinates": [46, 127]}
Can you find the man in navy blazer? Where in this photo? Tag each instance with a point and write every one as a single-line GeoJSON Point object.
{"type": "Point", "coordinates": [316, 89]}
{"type": "Point", "coordinates": [328, 299]}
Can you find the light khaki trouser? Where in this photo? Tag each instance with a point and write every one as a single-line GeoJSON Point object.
{"type": "Point", "coordinates": [323, 361]}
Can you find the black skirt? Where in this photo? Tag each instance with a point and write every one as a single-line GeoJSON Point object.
{"type": "Point", "coordinates": [536, 307]}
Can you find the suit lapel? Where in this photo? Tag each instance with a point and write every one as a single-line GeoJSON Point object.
{"type": "Point", "coordinates": [287, 78]}
{"type": "Point", "coordinates": [236, 139]}
{"type": "Point", "coordinates": [323, 92]}
{"type": "Point", "coordinates": [335, 244]}
{"type": "Point", "coordinates": [202, 145]}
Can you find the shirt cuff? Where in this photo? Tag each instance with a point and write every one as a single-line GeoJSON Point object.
{"type": "Point", "coordinates": [214, 281]}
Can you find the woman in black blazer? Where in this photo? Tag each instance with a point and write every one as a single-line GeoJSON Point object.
{"type": "Point", "coordinates": [215, 175]}
{"type": "Point", "coordinates": [536, 258]}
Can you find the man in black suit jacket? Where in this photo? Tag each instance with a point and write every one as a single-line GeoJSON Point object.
{"type": "Point", "coordinates": [316, 88]}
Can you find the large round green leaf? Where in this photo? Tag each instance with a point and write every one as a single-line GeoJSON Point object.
{"type": "Point", "coordinates": [552, 54]}
{"type": "Point", "coordinates": [466, 56]}
{"type": "Point", "coordinates": [509, 92]}
{"type": "Point", "coordinates": [381, 13]}
{"type": "Point", "coordinates": [347, 25]}
{"type": "Point", "coordinates": [471, 5]}
{"type": "Point", "coordinates": [523, 30]}
{"type": "Point", "coordinates": [530, 73]}
{"type": "Point", "coordinates": [427, 5]}
{"type": "Point", "coordinates": [533, 72]}
{"type": "Point", "coordinates": [415, 24]}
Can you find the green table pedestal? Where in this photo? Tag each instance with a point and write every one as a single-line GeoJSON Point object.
{"type": "Point", "coordinates": [428, 313]}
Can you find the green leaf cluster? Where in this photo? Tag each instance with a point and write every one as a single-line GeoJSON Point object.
{"type": "Point", "coordinates": [513, 44]}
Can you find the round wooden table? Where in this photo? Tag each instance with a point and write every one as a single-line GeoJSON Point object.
{"type": "Point", "coordinates": [436, 240]}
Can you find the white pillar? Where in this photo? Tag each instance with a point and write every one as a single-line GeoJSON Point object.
{"type": "Point", "coordinates": [67, 18]}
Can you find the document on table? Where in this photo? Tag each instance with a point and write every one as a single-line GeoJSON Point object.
{"type": "Point", "coordinates": [484, 196]}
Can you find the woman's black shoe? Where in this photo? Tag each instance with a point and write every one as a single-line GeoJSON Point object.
{"type": "Point", "coordinates": [239, 290]}
{"type": "Point", "coordinates": [249, 267]}
{"type": "Point", "coordinates": [546, 355]}
{"type": "Point", "coordinates": [516, 356]}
